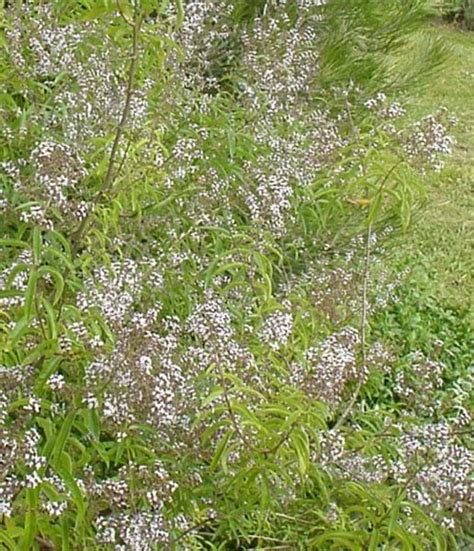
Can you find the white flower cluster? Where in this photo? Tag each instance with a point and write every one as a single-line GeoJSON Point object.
{"type": "Point", "coordinates": [436, 469]}
{"type": "Point", "coordinates": [140, 531]}
{"type": "Point", "coordinates": [203, 32]}
{"type": "Point", "coordinates": [429, 139]}
{"type": "Point", "coordinates": [328, 367]}
{"type": "Point", "coordinates": [211, 322]}
{"type": "Point", "coordinates": [277, 329]}
{"type": "Point", "coordinates": [13, 278]}
{"type": "Point", "coordinates": [116, 291]}
{"type": "Point", "coordinates": [418, 383]}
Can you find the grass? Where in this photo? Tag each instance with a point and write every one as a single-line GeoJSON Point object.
{"type": "Point", "coordinates": [442, 242]}
{"type": "Point", "coordinates": [436, 302]}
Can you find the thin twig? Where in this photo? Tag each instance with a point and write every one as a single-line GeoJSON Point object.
{"type": "Point", "coordinates": [295, 519]}
{"type": "Point", "coordinates": [192, 528]}
{"type": "Point", "coordinates": [78, 235]}
{"type": "Point", "coordinates": [365, 284]}
{"type": "Point", "coordinates": [238, 430]}
{"type": "Point", "coordinates": [363, 332]}
{"type": "Point", "coordinates": [230, 411]}
{"type": "Point", "coordinates": [124, 157]}
{"type": "Point", "coordinates": [123, 16]}
{"type": "Point", "coordinates": [126, 109]}
{"type": "Point", "coordinates": [282, 440]}
{"type": "Point", "coordinates": [109, 176]}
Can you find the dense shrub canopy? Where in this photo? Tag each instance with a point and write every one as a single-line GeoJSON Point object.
{"type": "Point", "coordinates": [195, 202]}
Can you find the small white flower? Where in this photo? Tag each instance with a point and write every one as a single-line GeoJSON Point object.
{"type": "Point", "coordinates": [33, 480]}
{"type": "Point", "coordinates": [91, 402]}
{"type": "Point", "coordinates": [56, 381]}
{"type": "Point", "coordinates": [34, 405]}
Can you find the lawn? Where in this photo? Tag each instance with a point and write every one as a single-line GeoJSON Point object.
{"type": "Point", "coordinates": [443, 238]}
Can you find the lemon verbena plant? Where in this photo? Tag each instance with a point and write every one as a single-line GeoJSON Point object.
{"type": "Point", "coordinates": [195, 199]}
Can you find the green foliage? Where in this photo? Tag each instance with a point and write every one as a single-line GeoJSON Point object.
{"type": "Point", "coordinates": [161, 267]}
{"type": "Point", "coordinates": [458, 10]}
{"type": "Point", "coordinates": [363, 39]}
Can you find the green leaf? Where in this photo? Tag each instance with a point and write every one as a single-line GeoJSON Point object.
{"type": "Point", "coordinates": [102, 452]}
{"type": "Point", "coordinates": [61, 256]}
{"type": "Point", "coordinates": [10, 293]}
{"type": "Point", "coordinates": [221, 448]}
{"type": "Point", "coordinates": [37, 243]}
{"type": "Point", "coordinates": [91, 421]}
{"type": "Point", "coordinates": [180, 13]}
{"type": "Point", "coordinates": [50, 319]}
{"type": "Point", "coordinates": [213, 395]}
{"type": "Point", "coordinates": [30, 294]}
{"type": "Point", "coordinates": [15, 270]}
{"type": "Point", "coordinates": [51, 492]}
{"type": "Point", "coordinates": [14, 243]}
{"type": "Point", "coordinates": [58, 280]}
{"type": "Point", "coordinates": [229, 267]}
{"type": "Point", "coordinates": [26, 542]}
{"type": "Point", "coordinates": [230, 141]}
{"type": "Point", "coordinates": [300, 444]}
{"type": "Point", "coordinates": [65, 531]}
{"type": "Point", "coordinates": [394, 514]}
{"type": "Point", "coordinates": [56, 236]}
{"type": "Point", "coordinates": [21, 327]}
{"type": "Point", "coordinates": [6, 540]}
{"type": "Point", "coordinates": [374, 541]}
{"type": "Point", "coordinates": [47, 426]}
{"type": "Point", "coordinates": [120, 451]}
{"type": "Point", "coordinates": [64, 469]}
{"type": "Point", "coordinates": [60, 441]}
{"type": "Point", "coordinates": [345, 538]}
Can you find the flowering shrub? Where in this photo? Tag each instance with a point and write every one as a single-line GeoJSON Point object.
{"type": "Point", "coordinates": [193, 216]}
